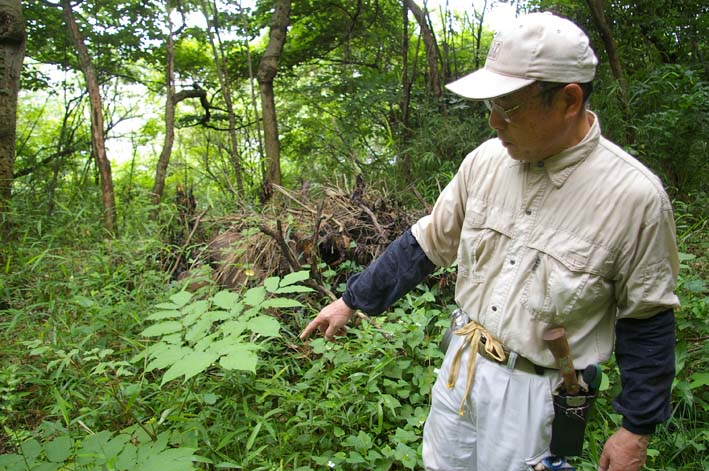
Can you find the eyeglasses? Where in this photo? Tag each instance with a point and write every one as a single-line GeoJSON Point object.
{"type": "Point", "coordinates": [505, 113]}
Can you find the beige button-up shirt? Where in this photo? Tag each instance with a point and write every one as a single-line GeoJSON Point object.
{"type": "Point", "coordinates": [578, 240]}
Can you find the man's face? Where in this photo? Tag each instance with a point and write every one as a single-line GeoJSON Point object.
{"type": "Point", "coordinates": [535, 131]}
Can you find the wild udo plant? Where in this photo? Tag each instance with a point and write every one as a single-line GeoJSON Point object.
{"type": "Point", "coordinates": [194, 334]}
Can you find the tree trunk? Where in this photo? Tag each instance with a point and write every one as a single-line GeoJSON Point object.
{"type": "Point", "coordinates": [225, 83]}
{"type": "Point", "coordinates": [479, 33]}
{"type": "Point", "coordinates": [405, 98]}
{"type": "Point", "coordinates": [12, 52]}
{"type": "Point", "coordinates": [266, 72]}
{"type": "Point", "coordinates": [97, 133]}
{"type": "Point", "coordinates": [164, 160]}
{"type": "Point", "coordinates": [429, 41]}
{"type": "Point", "coordinates": [599, 19]}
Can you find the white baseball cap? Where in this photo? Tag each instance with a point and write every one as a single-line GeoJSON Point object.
{"type": "Point", "coordinates": [537, 46]}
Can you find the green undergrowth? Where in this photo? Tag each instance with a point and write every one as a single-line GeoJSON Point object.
{"type": "Point", "coordinates": [108, 364]}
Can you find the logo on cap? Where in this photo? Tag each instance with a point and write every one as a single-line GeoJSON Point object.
{"type": "Point", "coordinates": [494, 50]}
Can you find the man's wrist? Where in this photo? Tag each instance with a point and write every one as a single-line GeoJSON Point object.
{"type": "Point", "coordinates": [642, 438]}
{"type": "Point", "coordinates": [638, 429]}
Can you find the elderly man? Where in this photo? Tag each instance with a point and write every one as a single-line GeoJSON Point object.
{"type": "Point", "coordinates": [551, 225]}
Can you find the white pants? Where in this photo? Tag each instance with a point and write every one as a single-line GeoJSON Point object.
{"type": "Point", "coordinates": [506, 425]}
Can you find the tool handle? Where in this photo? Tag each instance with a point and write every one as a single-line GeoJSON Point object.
{"type": "Point", "coordinates": [555, 339]}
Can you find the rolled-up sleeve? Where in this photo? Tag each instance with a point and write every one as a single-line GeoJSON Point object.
{"type": "Point", "coordinates": [647, 282]}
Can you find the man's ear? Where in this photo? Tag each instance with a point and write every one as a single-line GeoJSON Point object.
{"type": "Point", "coordinates": [572, 95]}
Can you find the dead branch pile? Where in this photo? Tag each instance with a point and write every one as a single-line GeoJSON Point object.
{"type": "Point", "coordinates": [302, 230]}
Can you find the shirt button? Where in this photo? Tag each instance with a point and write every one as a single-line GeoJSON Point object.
{"type": "Point", "coordinates": [512, 262]}
{"type": "Point", "coordinates": [528, 212]}
{"type": "Point", "coordinates": [494, 308]}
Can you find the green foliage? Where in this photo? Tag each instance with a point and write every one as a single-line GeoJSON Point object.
{"type": "Point", "coordinates": [194, 334]}
{"type": "Point", "coordinates": [99, 451]}
{"type": "Point", "coordinates": [670, 106]}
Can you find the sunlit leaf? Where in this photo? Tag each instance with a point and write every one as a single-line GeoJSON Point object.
{"type": "Point", "coordinates": [59, 449]}
{"type": "Point", "coordinates": [167, 356]}
{"type": "Point", "coordinates": [295, 277]}
{"type": "Point", "coordinates": [264, 325]}
{"type": "Point", "coordinates": [225, 299]}
{"type": "Point", "coordinates": [281, 302]}
{"type": "Point", "coordinates": [181, 298]}
{"type": "Point", "coordinates": [160, 315]}
{"type": "Point", "coordinates": [239, 359]}
{"type": "Point", "coordinates": [255, 296]}
{"type": "Point", "coordinates": [169, 327]}
{"type": "Point", "coordinates": [189, 365]}
{"type": "Point", "coordinates": [271, 283]}
{"type": "Point", "coordinates": [294, 289]}
{"type": "Point", "coordinates": [699, 380]}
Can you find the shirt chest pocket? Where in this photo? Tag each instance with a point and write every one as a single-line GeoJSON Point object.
{"type": "Point", "coordinates": [485, 235]}
{"type": "Point", "coordinates": [570, 279]}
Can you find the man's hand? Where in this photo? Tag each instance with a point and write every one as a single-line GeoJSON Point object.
{"type": "Point", "coordinates": [330, 321]}
{"type": "Point", "coordinates": [624, 451]}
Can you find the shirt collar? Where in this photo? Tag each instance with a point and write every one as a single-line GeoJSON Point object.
{"type": "Point", "coordinates": [559, 167]}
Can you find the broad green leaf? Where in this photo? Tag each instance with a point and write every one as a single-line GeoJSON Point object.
{"type": "Point", "coordinates": [173, 339]}
{"type": "Point", "coordinates": [128, 458]}
{"type": "Point", "coordinates": [174, 459]}
{"type": "Point", "coordinates": [181, 298]}
{"type": "Point", "coordinates": [264, 325]}
{"type": "Point", "coordinates": [100, 447]}
{"type": "Point", "coordinates": [233, 328]}
{"type": "Point", "coordinates": [295, 277]}
{"type": "Point", "coordinates": [281, 303]}
{"type": "Point", "coordinates": [406, 455]}
{"type": "Point", "coordinates": [362, 441]}
{"type": "Point", "coordinates": [405, 436]}
{"type": "Point", "coordinates": [699, 380]}
{"type": "Point", "coordinates": [216, 316]}
{"type": "Point", "coordinates": [255, 296]}
{"type": "Point", "coordinates": [695, 286]}
{"type": "Point", "coordinates": [683, 257]}
{"type": "Point", "coordinates": [210, 399]}
{"type": "Point", "coordinates": [198, 307]}
{"type": "Point", "coordinates": [225, 299]}
{"type": "Point", "coordinates": [160, 315]}
{"type": "Point", "coordinates": [166, 356]}
{"type": "Point", "coordinates": [205, 343]}
{"type": "Point", "coordinates": [239, 359]}
{"type": "Point", "coordinates": [199, 330]}
{"type": "Point", "coordinates": [156, 330]}
{"type": "Point", "coordinates": [189, 365]}
{"type": "Point", "coordinates": [59, 449]}
{"type": "Point", "coordinates": [167, 306]}
{"type": "Point", "coordinates": [355, 458]}
{"type": "Point", "coordinates": [11, 462]}
{"type": "Point", "coordinates": [31, 449]}
{"type": "Point", "coordinates": [294, 289]}
{"type": "Point", "coordinates": [271, 283]}
{"type": "Point", "coordinates": [47, 467]}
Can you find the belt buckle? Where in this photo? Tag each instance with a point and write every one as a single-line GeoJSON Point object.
{"type": "Point", "coordinates": [512, 360]}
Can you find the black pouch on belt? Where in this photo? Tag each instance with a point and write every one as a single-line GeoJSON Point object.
{"type": "Point", "coordinates": [569, 425]}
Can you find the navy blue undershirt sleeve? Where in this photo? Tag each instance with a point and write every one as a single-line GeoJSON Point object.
{"type": "Point", "coordinates": [645, 352]}
{"type": "Point", "coordinates": [401, 267]}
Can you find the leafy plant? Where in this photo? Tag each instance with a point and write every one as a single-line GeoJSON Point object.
{"type": "Point", "coordinates": [194, 334]}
